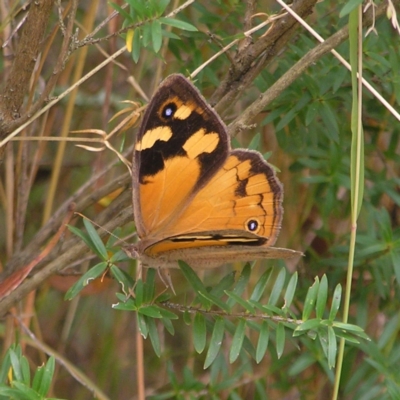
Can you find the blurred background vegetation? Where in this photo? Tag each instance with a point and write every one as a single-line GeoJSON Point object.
{"type": "Point", "coordinates": [49, 46]}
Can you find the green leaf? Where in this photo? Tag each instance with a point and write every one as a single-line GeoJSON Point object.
{"type": "Point", "coordinates": [226, 282]}
{"type": "Point", "coordinates": [310, 300]}
{"type": "Point", "coordinates": [307, 325]}
{"type": "Point", "coordinates": [85, 279]}
{"type": "Point", "coordinates": [262, 344]}
{"type": "Point", "coordinates": [97, 245]}
{"type": "Point", "coordinates": [25, 392]}
{"type": "Point", "coordinates": [245, 304]}
{"type": "Point", "coordinates": [156, 35]}
{"type": "Point", "coordinates": [43, 377]}
{"type": "Point", "coordinates": [215, 342]}
{"type": "Point", "coordinates": [124, 279]}
{"type": "Point", "coordinates": [337, 296]}
{"type": "Point", "coordinates": [142, 324]}
{"type": "Point", "coordinates": [154, 338]}
{"type": "Point", "coordinates": [329, 118]}
{"type": "Point", "coordinates": [277, 288]}
{"type": "Point", "coordinates": [255, 142]}
{"type": "Point", "coordinates": [348, 7]}
{"type": "Point", "coordinates": [139, 290]}
{"type": "Point", "coordinates": [332, 347]}
{"type": "Point", "coordinates": [290, 290]}
{"type": "Point", "coordinates": [260, 286]}
{"type": "Point", "coordinates": [125, 304]}
{"type": "Point", "coordinates": [357, 139]}
{"type": "Point", "coordinates": [150, 286]}
{"type": "Point", "coordinates": [237, 341]}
{"type": "Point", "coordinates": [196, 283]}
{"type": "Point", "coordinates": [322, 297]}
{"type": "Point", "coordinates": [178, 24]}
{"type": "Point", "coordinates": [16, 365]}
{"type": "Point", "coordinates": [241, 284]}
{"type": "Point", "coordinates": [137, 44]}
{"type": "Point", "coordinates": [150, 311]}
{"type": "Point", "coordinates": [280, 339]}
{"type": "Point", "coordinates": [121, 11]}
{"type": "Point", "coordinates": [199, 332]}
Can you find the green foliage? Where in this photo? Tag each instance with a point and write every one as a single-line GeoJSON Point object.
{"type": "Point", "coordinates": [15, 378]}
{"type": "Point", "coordinates": [272, 328]}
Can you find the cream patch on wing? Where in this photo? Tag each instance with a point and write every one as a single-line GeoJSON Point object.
{"type": "Point", "coordinates": [183, 111]}
{"type": "Point", "coordinates": [163, 133]}
{"type": "Point", "coordinates": [200, 143]}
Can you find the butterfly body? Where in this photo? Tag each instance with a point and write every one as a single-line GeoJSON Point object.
{"type": "Point", "coordinates": [194, 198]}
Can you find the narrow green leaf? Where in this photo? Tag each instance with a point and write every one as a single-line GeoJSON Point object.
{"type": "Point", "coordinates": [255, 142]}
{"type": "Point", "coordinates": [348, 7]}
{"type": "Point", "coordinates": [241, 284]}
{"type": "Point", "coordinates": [178, 24]}
{"type": "Point", "coordinates": [224, 284]}
{"type": "Point", "coordinates": [154, 338]}
{"type": "Point", "coordinates": [125, 304]}
{"type": "Point", "coordinates": [395, 257]}
{"type": "Point", "coordinates": [260, 286]}
{"type": "Point", "coordinates": [168, 325]}
{"type": "Point", "coordinates": [280, 339]}
{"type": "Point", "coordinates": [215, 300]}
{"type": "Point", "coordinates": [246, 305]}
{"type": "Point", "coordinates": [150, 311]}
{"type": "Point", "coordinates": [351, 327]}
{"type": "Point", "coordinates": [121, 11]}
{"type": "Point", "coordinates": [119, 256]}
{"type": "Point", "coordinates": [97, 244]}
{"type": "Point", "coordinates": [199, 332]}
{"type": "Point", "coordinates": [137, 44]}
{"type": "Point", "coordinates": [310, 300]}
{"type": "Point", "coordinates": [149, 286]}
{"type": "Point", "coordinates": [277, 288]}
{"type": "Point", "coordinates": [308, 325]}
{"type": "Point", "coordinates": [124, 279]}
{"type": "Point", "coordinates": [85, 279]}
{"type": "Point", "coordinates": [357, 140]}
{"type": "Point", "coordinates": [336, 299]}
{"type": "Point", "coordinates": [139, 290]}
{"type": "Point", "coordinates": [43, 377]}
{"type": "Point", "coordinates": [146, 35]}
{"type": "Point", "coordinates": [142, 324]}
{"type": "Point", "coordinates": [332, 347]}
{"type": "Point", "coordinates": [166, 313]}
{"type": "Point", "coordinates": [237, 341]}
{"type": "Point", "coordinates": [290, 290]}
{"type": "Point", "coordinates": [262, 344]}
{"type": "Point", "coordinates": [322, 297]}
{"type": "Point", "coordinates": [26, 372]}
{"type": "Point", "coordinates": [215, 342]}
{"type": "Point", "coordinates": [25, 392]}
{"type": "Point", "coordinates": [156, 35]}
{"type": "Point", "coordinates": [328, 116]}
{"type": "Point", "coordinates": [16, 365]}
{"type": "Point", "coordinates": [196, 283]}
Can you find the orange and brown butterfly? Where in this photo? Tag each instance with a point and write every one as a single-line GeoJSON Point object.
{"type": "Point", "coordinates": [195, 199]}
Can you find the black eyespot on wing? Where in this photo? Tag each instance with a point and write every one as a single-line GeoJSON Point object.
{"type": "Point", "coordinates": [252, 225]}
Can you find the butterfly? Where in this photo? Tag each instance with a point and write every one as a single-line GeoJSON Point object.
{"type": "Point", "coordinates": [194, 198]}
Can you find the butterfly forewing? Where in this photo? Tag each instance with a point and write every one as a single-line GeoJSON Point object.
{"type": "Point", "coordinates": [180, 145]}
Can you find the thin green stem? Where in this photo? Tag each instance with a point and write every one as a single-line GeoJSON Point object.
{"type": "Point", "coordinates": [357, 168]}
